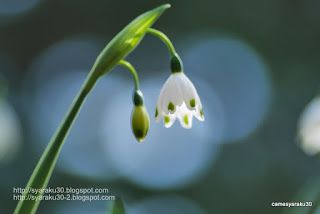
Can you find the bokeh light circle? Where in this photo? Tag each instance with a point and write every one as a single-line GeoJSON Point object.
{"type": "Point", "coordinates": [12, 8]}
{"type": "Point", "coordinates": [238, 75]}
{"type": "Point", "coordinates": [82, 207]}
{"type": "Point", "coordinates": [169, 204]}
{"type": "Point", "coordinates": [55, 78]}
{"type": "Point", "coordinates": [74, 53]}
{"type": "Point", "coordinates": [159, 204]}
{"type": "Point", "coordinates": [309, 127]}
{"type": "Point", "coordinates": [82, 154]}
{"type": "Point", "coordinates": [10, 132]}
{"type": "Point", "coordinates": [168, 158]}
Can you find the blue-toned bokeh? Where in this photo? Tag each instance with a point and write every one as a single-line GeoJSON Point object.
{"type": "Point", "coordinates": [255, 65]}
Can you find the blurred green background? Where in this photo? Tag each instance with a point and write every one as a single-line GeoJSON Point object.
{"type": "Point", "coordinates": [255, 65]}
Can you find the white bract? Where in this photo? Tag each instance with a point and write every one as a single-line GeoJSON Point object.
{"type": "Point", "coordinates": [178, 99]}
{"type": "Point", "coordinates": [309, 128]}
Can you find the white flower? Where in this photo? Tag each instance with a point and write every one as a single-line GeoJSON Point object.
{"type": "Point", "coordinates": [178, 99]}
{"type": "Point", "coordinates": [309, 128]}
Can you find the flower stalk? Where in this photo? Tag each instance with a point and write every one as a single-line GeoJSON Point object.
{"type": "Point", "coordinates": [164, 38]}
{"type": "Point", "coordinates": [133, 71]}
{"type": "Point", "coordinates": [119, 47]}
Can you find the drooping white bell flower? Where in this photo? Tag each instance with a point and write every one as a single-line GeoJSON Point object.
{"type": "Point", "coordinates": [178, 99]}
{"type": "Point", "coordinates": [309, 128]}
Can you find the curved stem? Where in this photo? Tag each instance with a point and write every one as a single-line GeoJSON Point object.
{"type": "Point", "coordinates": [164, 38]}
{"type": "Point", "coordinates": [44, 168]}
{"type": "Point", "coordinates": [118, 48]}
{"type": "Point", "coordinates": [133, 71]}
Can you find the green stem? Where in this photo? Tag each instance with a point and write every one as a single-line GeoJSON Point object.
{"type": "Point", "coordinates": [133, 71]}
{"type": "Point", "coordinates": [42, 172]}
{"type": "Point", "coordinates": [164, 38]}
{"type": "Point", "coordinates": [117, 49]}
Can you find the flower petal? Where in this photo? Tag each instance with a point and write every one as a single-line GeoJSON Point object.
{"type": "Point", "coordinates": [190, 95]}
{"type": "Point", "coordinates": [169, 120]}
{"type": "Point", "coordinates": [185, 116]}
{"type": "Point", "coordinates": [170, 93]}
{"type": "Point", "coordinates": [157, 116]}
{"type": "Point", "coordinates": [198, 114]}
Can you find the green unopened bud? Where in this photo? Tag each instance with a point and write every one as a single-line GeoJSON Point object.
{"type": "Point", "coordinates": [122, 44]}
{"type": "Point", "coordinates": [126, 41]}
{"type": "Point", "coordinates": [140, 122]}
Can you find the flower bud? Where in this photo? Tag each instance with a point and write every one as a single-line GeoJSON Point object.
{"type": "Point", "coordinates": [140, 117]}
{"type": "Point", "coordinates": [127, 40]}
{"type": "Point", "coordinates": [140, 122]}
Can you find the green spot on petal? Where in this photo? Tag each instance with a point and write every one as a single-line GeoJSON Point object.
{"type": "Point", "coordinates": [166, 119]}
{"type": "Point", "coordinates": [185, 118]}
{"type": "Point", "coordinates": [171, 106]}
{"type": "Point", "coordinates": [192, 103]}
{"type": "Point", "coordinates": [156, 113]}
{"type": "Point", "coordinates": [201, 113]}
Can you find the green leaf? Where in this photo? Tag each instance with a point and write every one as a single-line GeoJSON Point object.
{"type": "Point", "coordinates": [117, 49]}
{"type": "Point", "coordinates": [125, 42]}
{"type": "Point", "coordinates": [118, 207]}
